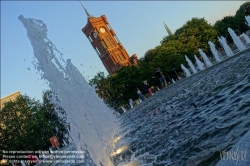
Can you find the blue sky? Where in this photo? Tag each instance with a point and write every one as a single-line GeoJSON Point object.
{"type": "Point", "coordinates": [138, 25]}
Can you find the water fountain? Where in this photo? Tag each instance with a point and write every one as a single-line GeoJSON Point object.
{"type": "Point", "coordinates": [248, 20]}
{"type": "Point", "coordinates": [186, 71]}
{"type": "Point", "coordinates": [91, 121]}
{"type": "Point", "coordinates": [226, 48]}
{"type": "Point", "coordinates": [123, 109]}
{"type": "Point", "coordinates": [191, 121]}
{"type": "Point", "coordinates": [158, 88]}
{"type": "Point", "coordinates": [199, 63]}
{"type": "Point", "coordinates": [236, 40]}
{"type": "Point", "coordinates": [191, 65]}
{"type": "Point", "coordinates": [246, 38]}
{"type": "Point", "coordinates": [196, 116]}
{"type": "Point", "coordinates": [214, 51]}
{"type": "Point", "coordinates": [205, 58]}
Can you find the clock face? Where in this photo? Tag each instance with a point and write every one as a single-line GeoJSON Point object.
{"type": "Point", "coordinates": [102, 30]}
{"type": "Point", "coordinates": [95, 35]}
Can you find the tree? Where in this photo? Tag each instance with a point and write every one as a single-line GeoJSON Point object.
{"type": "Point", "coordinates": [168, 38]}
{"type": "Point", "coordinates": [171, 55]}
{"type": "Point", "coordinates": [16, 124]}
{"type": "Point", "coordinates": [150, 55]}
{"type": "Point", "coordinates": [244, 9]}
{"type": "Point", "coordinates": [240, 21]}
{"type": "Point", "coordinates": [53, 118]}
{"type": "Point", "coordinates": [130, 78]}
{"type": "Point", "coordinates": [236, 23]}
{"type": "Point", "coordinates": [106, 89]}
{"type": "Point", "coordinates": [103, 86]}
{"type": "Point", "coordinates": [195, 34]}
{"type": "Point", "coordinates": [101, 83]}
{"type": "Point", "coordinates": [117, 89]}
{"type": "Point", "coordinates": [222, 27]}
{"type": "Point", "coordinates": [27, 124]}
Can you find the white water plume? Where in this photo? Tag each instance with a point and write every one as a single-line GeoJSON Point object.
{"type": "Point", "coordinates": [226, 48]}
{"type": "Point", "coordinates": [191, 65]}
{"type": "Point", "coordinates": [205, 58]}
{"type": "Point", "coordinates": [214, 51]}
{"type": "Point", "coordinates": [186, 71]}
{"type": "Point", "coordinates": [91, 122]}
{"type": "Point", "coordinates": [236, 40]}
{"type": "Point", "coordinates": [199, 63]}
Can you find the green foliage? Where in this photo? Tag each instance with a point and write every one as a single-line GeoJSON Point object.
{"type": "Point", "coordinates": [27, 124]}
{"type": "Point", "coordinates": [170, 55]}
{"type": "Point", "coordinates": [236, 23]}
{"type": "Point", "coordinates": [195, 34]}
{"type": "Point", "coordinates": [222, 26]}
{"type": "Point", "coordinates": [150, 55]}
{"type": "Point", "coordinates": [117, 89]}
{"type": "Point", "coordinates": [104, 88]}
{"type": "Point", "coordinates": [244, 9]}
{"type": "Point", "coordinates": [241, 24]}
{"type": "Point", "coordinates": [168, 38]}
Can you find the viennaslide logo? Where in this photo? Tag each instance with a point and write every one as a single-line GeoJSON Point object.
{"type": "Point", "coordinates": [235, 155]}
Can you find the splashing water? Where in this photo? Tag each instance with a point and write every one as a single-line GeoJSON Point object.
{"type": "Point", "coordinates": [236, 40]}
{"type": "Point", "coordinates": [204, 56]}
{"type": "Point", "coordinates": [189, 122]}
{"type": "Point", "coordinates": [246, 38]}
{"type": "Point", "coordinates": [226, 48]}
{"type": "Point", "coordinates": [214, 51]}
{"type": "Point", "coordinates": [186, 71]}
{"type": "Point", "coordinates": [199, 63]}
{"type": "Point", "coordinates": [123, 109]}
{"type": "Point", "coordinates": [248, 20]}
{"type": "Point", "coordinates": [191, 65]}
{"type": "Point", "coordinates": [91, 122]}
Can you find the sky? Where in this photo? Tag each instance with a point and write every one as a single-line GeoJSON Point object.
{"type": "Point", "coordinates": [138, 25]}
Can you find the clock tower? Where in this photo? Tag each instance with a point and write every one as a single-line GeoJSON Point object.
{"type": "Point", "coordinates": [106, 44]}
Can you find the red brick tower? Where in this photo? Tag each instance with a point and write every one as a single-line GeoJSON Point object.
{"type": "Point", "coordinates": [106, 44]}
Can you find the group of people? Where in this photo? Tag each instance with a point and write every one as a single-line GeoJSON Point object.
{"type": "Point", "coordinates": [160, 76]}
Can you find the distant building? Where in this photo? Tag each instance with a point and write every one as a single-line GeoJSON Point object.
{"type": "Point", "coordinates": [106, 44]}
{"type": "Point", "coordinates": [167, 29]}
{"type": "Point", "coordinates": [11, 97]}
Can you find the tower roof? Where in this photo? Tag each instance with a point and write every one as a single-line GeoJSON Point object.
{"type": "Point", "coordinates": [167, 29]}
{"type": "Point", "coordinates": [87, 13]}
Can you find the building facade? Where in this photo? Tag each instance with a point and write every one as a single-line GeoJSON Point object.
{"type": "Point", "coordinates": [11, 97]}
{"type": "Point", "coordinates": [106, 44]}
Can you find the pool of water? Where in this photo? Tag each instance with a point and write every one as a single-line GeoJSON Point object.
{"type": "Point", "coordinates": [191, 121]}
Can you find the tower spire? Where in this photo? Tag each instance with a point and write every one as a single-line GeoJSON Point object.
{"type": "Point", "coordinates": [167, 29]}
{"type": "Point", "coordinates": [86, 10]}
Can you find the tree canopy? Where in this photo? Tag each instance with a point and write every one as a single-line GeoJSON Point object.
{"type": "Point", "coordinates": [244, 9]}
{"type": "Point", "coordinates": [28, 124]}
{"type": "Point", "coordinates": [237, 22]}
